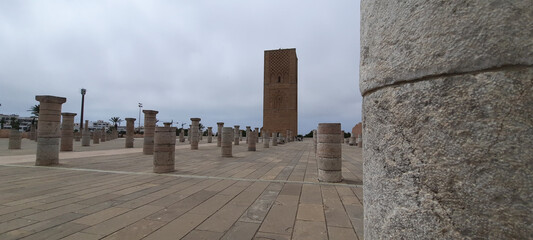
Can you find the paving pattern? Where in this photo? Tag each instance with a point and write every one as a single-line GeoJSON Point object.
{"type": "Point", "coordinates": [108, 192]}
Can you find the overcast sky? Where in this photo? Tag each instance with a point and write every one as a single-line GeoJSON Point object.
{"type": "Point", "coordinates": [182, 58]}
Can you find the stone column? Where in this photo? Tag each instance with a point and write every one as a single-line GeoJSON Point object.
{"type": "Point", "coordinates": [209, 134]}
{"type": "Point", "coordinates": [77, 136]}
{"type": "Point", "coordinates": [342, 136]}
{"type": "Point", "coordinates": [182, 135]}
{"type": "Point", "coordinates": [226, 140]}
{"type": "Point", "coordinates": [195, 134]}
{"type": "Point", "coordinates": [237, 134]}
{"type": "Point", "coordinates": [67, 132]}
{"type": "Point", "coordinates": [288, 135]}
{"type": "Point", "coordinates": [220, 125]}
{"type": "Point", "coordinates": [447, 105]}
{"type": "Point", "coordinates": [189, 134]}
{"type": "Point", "coordinates": [96, 136]}
{"type": "Point", "coordinates": [86, 135]}
{"type": "Point", "coordinates": [252, 141]}
{"type": "Point", "coordinates": [48, 130]}
{"type": "Point", "coordinates": [103, 135]}
{"type": "Point", "coordinates": [274, 139]}
{"type": "Point", "coordinates": [149, 131]}
{"type": "Point", "coordinates": [256, 137]}
{"type": "Point", "coordinates": [32, 132]}
{"type": "Point", "coordinates": [329, 152]}
{"type": "Point", "coordinates": [360, 141]}
{"type": "Point", "coordinates": [352, 140]}
{"type": "Point", "coordinates": [266, 140]}
{"type": "Point", "coordinates": [248, 130]}
{"type": "Point", "coordinates": [164, 148]}
{"type": "Point", "coordinates": [15, 139]}
{"type": "Point", "coordinates": [281, 138]}
{"type": "Point", "coordinates": [130, 132]}
{"type": "Point", "coordinates": [315, 138]}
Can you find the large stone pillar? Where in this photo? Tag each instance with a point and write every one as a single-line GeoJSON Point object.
{"type": "Point", "coordinates": [329, 152]}
{"type": "Point", "coordinates": [86, 135]}
{"type": "Point", "coordinates": [227, 137]}
{"type": "Point", "coordinates": [256, 137]}
{"type": "Point", "coordinates": [182, 135]}
{"type": "Point", "coordinates": [248, 130]}
{"type": "Point", "coordinates": [266, 140]}
{"type": "Point", "coordinates": [209, 134]}
{"type": "Point", "coordinates": [195, 133]}
{"type": "Point", "coordinates": [130, 132]}
{"type": "Point", "coordinates": [67, 132]}
{"type": "Point", "coordinates": [33, 132]}
{"type": "Point", "coordinates": [237, 134]}
{"type": "Point", "coordinates": [96, 136]}
{"type": "Point", "coordinates": [15, 139]}
{"type": "Point", "coordinates": [252, 142]}
{"type": "Point", "coordinates": [149, 131]}
{"type": "Point", "coordinates": [315, 138]}
{"type": "Point", "coordinates": [189, 134]}
{"type": "Point", "coordinates": [77, 136]}
{"type": "Point", "coordinates": [447, 104]}
{"type": "Point", "coordinates": [220, 125]}
{"type": "Point", "coordinates": [48, 130]}
{"type": "Point", "coordinates": [164, 148]}
{"type": "Point", "coordinates": [274, 139]}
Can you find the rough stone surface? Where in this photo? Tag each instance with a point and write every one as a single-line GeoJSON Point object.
{"type": "Point", "coordinates": [96, 136]}
{"type": "Point", "coordinates": [328, 154]}
{"type": "Point", "coordinates": [164, 149]}
{"type": "Point", "coordinates": [237, 135]}
{"type": "Point", "coordinates": [130, 131]}
{"type": "Point", "coordinates": [441, 37]}
{"type": "Point", "coordinates": [252, 141]}
{"type": "Point", "coordinates": [220, 125]}
{"type": "Point", "coordinates": [315, 139]}
{"type": "Point", "coordinates": [447, 154]}
{"type": "Point", "coordinates": [248, 130]}
{"type": "Point", "coordinates": [274, 139]}
{"type": "Point", "coordinates": [266, 139]}
{"type": "Point", "coordinates": [209, 134]}
{"type": "Point", "coordinates": [195, 133]}
{"type": "Point", "coordinates": [67, 132]}
{"type": "Point", "coordinates": [227, 137]}
{"type": "Point", "coordinates": [15, 139]}
{"type": "Point", "coordinates": [149, 130]}
{"type": "Point", "coordinates": [48, 130]}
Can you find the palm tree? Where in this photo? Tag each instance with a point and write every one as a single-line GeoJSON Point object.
{"type": "Point", "coordinates": [35, 110]}
{"type": "Point", "coordinates": [115, 121]}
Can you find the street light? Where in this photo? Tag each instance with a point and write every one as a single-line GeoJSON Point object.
{"type": "Point", "coordinates": [140, 106]}
{"type": "Point", "coordinates": [83, 91]}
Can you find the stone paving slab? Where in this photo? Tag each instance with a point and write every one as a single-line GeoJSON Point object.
{"type": "Point", "coordinates": [109, 192]}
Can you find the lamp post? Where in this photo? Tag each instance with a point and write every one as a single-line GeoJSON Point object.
{"type": "Point", "coordinates": [140, 106]}
{"type": "Point", "coordinates": [83, 91]}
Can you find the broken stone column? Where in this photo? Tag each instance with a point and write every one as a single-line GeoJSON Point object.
{"type": "Point", "coordinates": [77, 136]}
{"type": "Point", "coordinates": [149, 131]}
{"type": "Point", "coordinates": [220, 125]}
{"type": "Point", "coordinates": [182, 135]}
{"type": "Point", "coordinates": [288, 135]}
{"type": "Point", "coordinates": [315, 138]}
{"type": "Point", "coordinates": [32, 131]}
{"type": "Point", "coordinates": [329, 152]}
{"type": "Point", "coordinates": [252, 142]}
{"type": "Point", "coordinates": [281, 138]}
{"type": "Point", "coordinates": [237, 134]}
{"type": "Point", "coordinates": [86, 135]}
{"type": "Point", "coordinates": [48, 130]}
{"type": "Point", "coordinates": [189, 134]}
{"type": "Point", "coordinates": [209, 134]}
{"type": "Point", "coordinates": [195, 133]}
{"type": "Point", "coordinates": [96, 136]}
{"type": "Point", "coordinates": [15, 139]}
{"type": "Point", "coordinates": [67, 132]}
{"type": "Point", "coordinates": [360, 141]}
{"type": "Point", "coordinates": [256, 137]}
{"type": "Point", "coordinates": [342, 136]}
{"type": "Point", "coordinates": [248, 130]}
{"type": "Point", "coordinates": [226, 141]}
{"type": "Point", "coordinates": [164, 148]}
{"type": "Point", "coordinates": [447, 104]}
{"type": "Point", "coordinates": [130, 132]}
{"type": "Point", "coordinates": [266, 140]}
{"type": "Point", "coordinates": [274, 139]}
{"type": "Point", "coordinates": [103, 135]}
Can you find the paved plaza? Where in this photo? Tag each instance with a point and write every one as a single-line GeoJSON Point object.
{"type": "Point", "coordinates": [106, 191]}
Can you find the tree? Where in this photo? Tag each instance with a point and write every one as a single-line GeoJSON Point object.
{"type": "Point", "coordinates": [35, 110]}
{"type": "Point", "coordinates": [116, 121]}
{"type": "Point", "coordinates": [310, 134]}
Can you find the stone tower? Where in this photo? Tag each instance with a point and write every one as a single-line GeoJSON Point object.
{"type": "Point", "coordinates": [280, 97]}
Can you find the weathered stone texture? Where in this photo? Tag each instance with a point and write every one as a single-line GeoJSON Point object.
{"type": "Point", "coordinates": [149, 130]}
{"type": "Point", "coordinates": [226, 141]}
{"type": "Point", "coordinates": [209, 134]}
{"type": "Point", "coordinates": [447, 149]}
{"type": "Point", "coordinates": [48, 130]}
{"type": "Point", "coordinates": [130, 131]}
{"type": "Point", "coordinates": [220, 125]}
{"type": "Point", "coordinates": [164, 149]}
{"type": "Point", "coordinates": [329, 152]}
{"type": "Point", "coordinates": [251, 141]}
{"type": "Point", "coordinates": [15, 139]}
{"type": "Point", "coordinates": [67, 132]}
{"type": "Point", "coordinates": [195, 133]}
{"type": "Point", "coordinates": [86, 135]}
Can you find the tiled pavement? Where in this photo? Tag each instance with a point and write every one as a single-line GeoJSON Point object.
{"type": "Point", "coordinates": [107, 192]}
